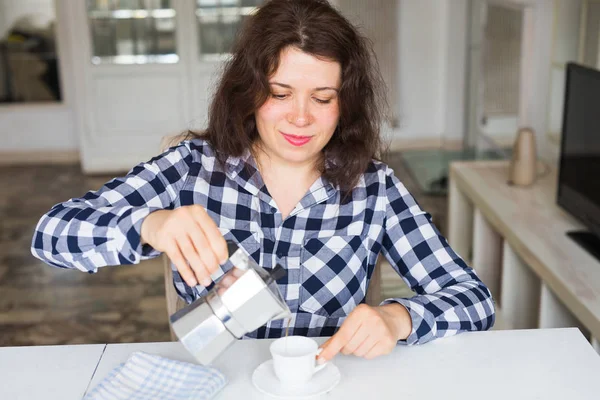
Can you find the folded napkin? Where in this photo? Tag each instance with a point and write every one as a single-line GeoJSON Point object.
{"type": "Point", "coordinates": [149, 377]}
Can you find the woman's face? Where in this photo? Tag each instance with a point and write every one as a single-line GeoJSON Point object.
{"type": "Point", "coordinates": [302, 112]}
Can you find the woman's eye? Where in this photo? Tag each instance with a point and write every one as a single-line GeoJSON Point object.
{"type": "Point", "coordinates": [279, 96]}
{"type": "Point", "coordinates": [321, 101]}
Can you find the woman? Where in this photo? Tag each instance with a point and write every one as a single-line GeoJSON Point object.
{"type": "Point", "coordinates": [287, 169]}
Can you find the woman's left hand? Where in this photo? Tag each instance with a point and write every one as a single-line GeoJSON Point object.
{"type": "Point", "coordinates": [369, 332]}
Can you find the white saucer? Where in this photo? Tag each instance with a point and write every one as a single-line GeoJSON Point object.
{"type": "Point", "coordinates": [265, 380]}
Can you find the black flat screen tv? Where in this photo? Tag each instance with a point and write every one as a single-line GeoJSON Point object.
{"type": "Point", "coordinates": [579, 168]}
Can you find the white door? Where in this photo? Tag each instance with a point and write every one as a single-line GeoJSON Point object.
{"type": "Point", "coordinates": [125, 108]}
{"type": "Point", "coordinates": [130, 101]}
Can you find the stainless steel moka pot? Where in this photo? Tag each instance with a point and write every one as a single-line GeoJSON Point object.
{"type": "Point", "coordinates": [244, 299]}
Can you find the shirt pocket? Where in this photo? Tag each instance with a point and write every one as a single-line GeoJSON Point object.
{"type": "Point", "coordinates": [333, 275]}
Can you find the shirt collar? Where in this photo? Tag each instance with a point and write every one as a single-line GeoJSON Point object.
{"type": "Point", "coordinates": [244, 171]}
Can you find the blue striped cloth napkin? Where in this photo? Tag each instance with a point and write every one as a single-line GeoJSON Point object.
{"type": "Point", "coordinates": [149, 377]}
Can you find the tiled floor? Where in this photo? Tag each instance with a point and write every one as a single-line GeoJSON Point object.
{"type": "Point", "coordinates": [40, 304]}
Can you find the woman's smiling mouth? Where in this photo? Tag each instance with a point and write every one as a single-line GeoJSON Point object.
{"type": "Point", "coordinates": [296, 140]}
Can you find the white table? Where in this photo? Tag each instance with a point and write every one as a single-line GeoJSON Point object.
{"type": "Point", "coordinates": [525, 364]}
{"type": "Point", "coordinates": [47, 372]}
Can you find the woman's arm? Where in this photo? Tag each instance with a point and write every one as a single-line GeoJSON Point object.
{"type": "Point", "coordinates": [103, 227]}
{"type": "Point", "coordinates": [450, 297]}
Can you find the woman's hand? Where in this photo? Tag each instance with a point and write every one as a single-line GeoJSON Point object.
{"type": "Point", "coordinates": [369, 332]}
{"type": "Point", "coordinates": [187, 235]}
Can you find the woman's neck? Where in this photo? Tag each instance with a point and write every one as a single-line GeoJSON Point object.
{"type": "Point", "coordinates": [275, 169]}
{"type": "Point", "coordinates": [287, 183]}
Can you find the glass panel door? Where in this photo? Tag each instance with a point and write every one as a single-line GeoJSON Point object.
{"type": "Point", "coordinates": [132, 31]}
{"type": "Point", "coordinates": [218, 24]}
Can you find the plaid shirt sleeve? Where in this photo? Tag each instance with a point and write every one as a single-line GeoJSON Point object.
{"type": "Point", "coordinates": [104, 227]}
{"type": "Point", "coordinates": [450, 297]}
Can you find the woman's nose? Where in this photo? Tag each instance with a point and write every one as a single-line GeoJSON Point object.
{"type": "Point", "coordinates": [299, 115]}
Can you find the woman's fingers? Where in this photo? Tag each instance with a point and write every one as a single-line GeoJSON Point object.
{"type": "Point", "coordinates": [340, 339]}
{"type": "Point", "coordinates": [360, 335]}
{"type": "Point", "coordinates": [374, 351]}
{"type": "Point", "coordinates": [365, 333]}
{"type": "Point", "coordinates": [181, 263]}
{"type": "Point", "coordinates": [190, 238]}
{"type": "Point", "coordinates": [366, 346]}
{"type": "Point", "coordinates": [216, 241]}
{"type": "Point", "coordinates": [203, 250]}
{"type": "Point", "coordinates": [190, 253]}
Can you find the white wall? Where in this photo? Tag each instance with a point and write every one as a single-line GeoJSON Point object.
{"type": "Point", "coordinates": [566, 46]}
{"type": "Point", "coordinates": [431, 67]}
{"type": "Point", "coordinates": [539, 71]}
{"type": "Point", "coordinates": [420, 69]}
{"type": "Point", "coordinates": [454, 39]}
{"type": "Point", "coordinates": [37, 128]}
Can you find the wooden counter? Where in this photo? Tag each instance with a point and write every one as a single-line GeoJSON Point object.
{"type": "Point", "coordinates": [515, 239]}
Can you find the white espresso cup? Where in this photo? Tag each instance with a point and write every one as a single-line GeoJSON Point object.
{"type": "Point", "coordinates": [294, 359]}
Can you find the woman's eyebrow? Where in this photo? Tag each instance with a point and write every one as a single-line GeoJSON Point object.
{"type": "Point", "coordinates": [317, 89]}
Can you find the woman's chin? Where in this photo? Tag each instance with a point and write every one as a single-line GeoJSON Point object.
{"type": "Point", "coordinates": [296, 156]}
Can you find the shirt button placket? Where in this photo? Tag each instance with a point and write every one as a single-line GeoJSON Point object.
{"type": "Point", "coordinates": [283, 241]}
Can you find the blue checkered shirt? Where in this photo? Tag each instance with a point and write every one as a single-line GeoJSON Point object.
{"type": "Point", "coordinates": [328, 244]}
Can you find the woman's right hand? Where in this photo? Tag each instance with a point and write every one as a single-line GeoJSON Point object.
{"type": "Point", "coordinates": [187, 235]}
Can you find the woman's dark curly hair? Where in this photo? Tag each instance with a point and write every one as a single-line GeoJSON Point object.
{"type": "Point", "coordinates": [316, 28]}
